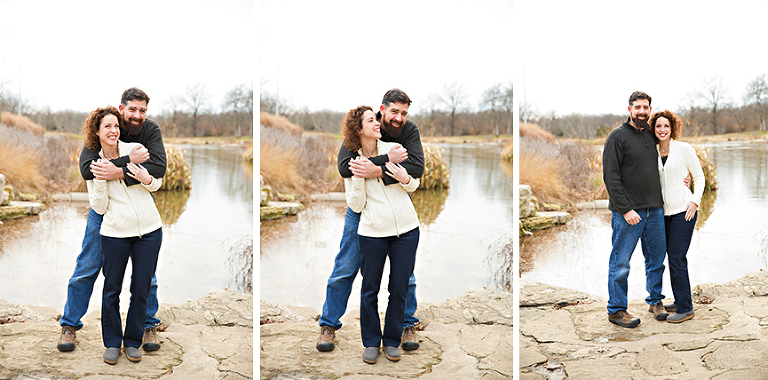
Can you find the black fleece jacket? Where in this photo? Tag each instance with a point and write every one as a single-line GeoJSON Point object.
{"type": "Point", "coordinates": [630, 169]}
{"type": "Point", "coordinates": [409, 138]}
{"type": "Point", "coordinates": [149, 136]}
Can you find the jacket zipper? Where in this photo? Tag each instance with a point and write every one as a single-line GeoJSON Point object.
{"type": "Point", "coordinates": [394, 216]}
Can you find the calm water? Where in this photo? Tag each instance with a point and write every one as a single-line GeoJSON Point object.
{"type": "Point", "coordinates": [200, 227]}
{"type": "Point", "coordinates": [726, 245]}
{"type": "Point", "coordinates": [459, 228]}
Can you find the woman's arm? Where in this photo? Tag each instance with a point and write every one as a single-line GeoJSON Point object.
{"type": "Point", "coordinates": [355, 191]}
{"type": "Point", "coordinates": [97, 195]}
{"type": "Point", "coordinates": [694, 166]}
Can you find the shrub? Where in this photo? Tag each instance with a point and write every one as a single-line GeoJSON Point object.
{"type": "Point", "coordinates": [281, 123]}
{"type": "Point", "coordinates": [437, 175]}
{"type": "Point", "coordinates": [21, 122]}
{"type": "Point", "coordinates": [535, 131]}
{"type": "Point", "coordinates": [178, 176]}
{"type": "Point", "coordinates": [710, 178]}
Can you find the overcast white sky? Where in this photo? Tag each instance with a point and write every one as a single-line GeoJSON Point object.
{"type": "Point", "coordinates": [83, 54]}
{"type": "Point", "coordinates": [588, 57]}
{"type": "Point", "coordinates": [337, 55]}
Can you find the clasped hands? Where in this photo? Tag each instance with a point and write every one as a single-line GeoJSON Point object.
{"type": "Point", "coordinates": [104, 169]}
{"type": "Point", "coordinates": [362, 167]}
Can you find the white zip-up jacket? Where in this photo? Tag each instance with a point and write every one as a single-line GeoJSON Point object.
{"type": "Point", "coordinates": [384, 210]}
{"type": "Point", "coordinates": [681, 160]}
{"type": "Point", "coordinates": [128, 210]}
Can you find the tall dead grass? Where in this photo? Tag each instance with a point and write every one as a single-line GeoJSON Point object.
{"type": "Point", "coordinates": [269, 120]}
{"type": "Point", "coordinates": [21, 122]}
{"type": "Point", "coordinates": [535, 131]}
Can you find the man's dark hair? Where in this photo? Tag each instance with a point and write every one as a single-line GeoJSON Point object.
{"type": "Point", "coordinates": [639, 95]}
{"type": "Point", "coordinates": [395, 95]}
{"type": "Point", "coordinates": [134, 93]}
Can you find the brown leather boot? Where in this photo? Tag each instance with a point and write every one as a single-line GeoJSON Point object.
{"type": "Point", "coordinates": [325, 341]}
{"type": "Point", "coordinates": [659, 312]}
{"type": "Point", "coordinates": [67, 339]}
{"type": "Point", "coordinates": [150, 339]}
{"type": "Point", "coordinates": [410, 342]}
{"type": "Point", "coordinates": [623, 319]}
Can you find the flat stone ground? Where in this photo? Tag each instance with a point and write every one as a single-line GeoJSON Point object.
{"type": "Point", "coordinates": [468, 337]}
{"type": "Point", "coordinates": [207, 338]}
{"type": "Point", "coordinates": [566, 335]}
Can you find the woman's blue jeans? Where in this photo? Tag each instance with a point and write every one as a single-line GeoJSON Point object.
{"type": "Point", "coordinates": [679, 233]}
{"type": "Point", "coordinates": [401, 251]}
{"type": "Point", "coordinates": [650, 232]}
{"type": "Point", "coordinates": [143, 252]}
{"type": "Point", "coordinates": [345, 268]}
{"type": "Point", "coordinates": [87, 270]}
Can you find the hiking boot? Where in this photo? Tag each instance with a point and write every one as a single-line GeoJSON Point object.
{"type": "Point", "coordinates": [623, 319]}
{"type": "Point", "coordinates": [409, 339]}
{"type": "Point", "coordinates": [150, 339]}
{"type": "Point", "coordinates": [680, 317]}
{"type": "Point", "coordinates": [67, 339]}
{"type": "Point", "coordinates": [370, 355]}
{"type": "Point", "coordinates": [133, 354]}
{"type": "Point", "coordinates": [670, 307]}
{"type": "Point", "coordinates": [418, 326]}
{"type": "Point", "coordinates": [325, 341]}
{"type": "Point", "coordinates": [111, 354]}
{"type": "Point", "coordinates": [658, 311]}
{"type": "Point", "coordinates": [392, 353]}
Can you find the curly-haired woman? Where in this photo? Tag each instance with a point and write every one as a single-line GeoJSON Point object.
{"type": "Point", "coordinates": [389, 227]}
{"type": "Point", "coordinates": [131, 229]}
{"type": "Point", "coordinates": [676, 160]}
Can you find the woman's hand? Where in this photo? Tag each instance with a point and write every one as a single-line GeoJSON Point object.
{"type": "Point", "coordinates": [139, 173]}
{"type": "Point", "coordinates": [99, 174]}
{"type": "Point", "coordinates": [398, 172]}
{"type": "Point", "coordinates": [690, 211]}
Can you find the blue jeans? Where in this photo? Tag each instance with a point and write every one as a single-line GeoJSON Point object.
{"type": "Point", "coordinates": [401, 251]}
{"type": "Point", "coordinates": [345, 269]}
{"type": "Point", "coordinates": [679, 233]}
{"type": "Point", "coordinates": [87, 269]}
{"type": "Point", "coordinates": [650, 232]}
{"type": "Point", "coordinates": [143, 252]}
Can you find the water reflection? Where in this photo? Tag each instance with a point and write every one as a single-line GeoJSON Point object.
{"type": "Point", "coordinates": [171, 204]}
{"type": "Point", "coordinates": [458, 228]}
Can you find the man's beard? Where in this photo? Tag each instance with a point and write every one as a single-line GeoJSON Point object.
{"type": "Point", "coordinates": [640, 123]}
{"type": "Point", "coordinates": [131, 129]}
{"type": "Point", "coordinates": [391, 130]}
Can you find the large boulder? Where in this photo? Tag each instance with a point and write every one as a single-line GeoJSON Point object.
{"type": "Point", "coordinates": [527, 202]}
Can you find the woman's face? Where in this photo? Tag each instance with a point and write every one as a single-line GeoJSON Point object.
{"type": "Point", "coordinates": [371, 128]}
{"type": "Point", "coordinates": [109, 130]}
{"type": "Point", "coordinates": [662, 130]}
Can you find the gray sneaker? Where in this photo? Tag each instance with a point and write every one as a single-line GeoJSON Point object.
{"type": "Point", "coordinates": [392, 353]}
{"type": "Point", "coordinates": [133, 354]}
{"type": "Point", "coordinates": [111, 354]}
{"type": "Point", "coordinates": [370, 354]}
{"type": "Point", "coordinates": [680, 317]}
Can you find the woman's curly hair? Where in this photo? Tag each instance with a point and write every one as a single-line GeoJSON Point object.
{"type": "Point", "coordinates": [351, 127]}
{"type": "Point", "coordinates": [675, 123]}
{"type": "Point", "coordinates": [92, 123]}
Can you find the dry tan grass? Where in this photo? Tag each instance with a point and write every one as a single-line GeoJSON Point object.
{"type": "Point", "coordinates": [21, 169]}
{"type": "Point", "coordinates": [279, 122]}
{"type": "Point", "coordinates": [535, 131]}
{"type": "Point", "coordinates": [178, 175]}
{"type": "Point", "coordinates": [280, 171]}
{"type": "Point", "coordinates": [21, 122]}
{"type": "Point", "coordinates": [437, 175]}
{"type": "Point", "coordinates": [542, 174]}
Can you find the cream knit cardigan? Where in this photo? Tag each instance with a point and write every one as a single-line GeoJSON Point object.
{"type": "Point", "coordinates": [681, 160]}
{"type": "Point", "coordinates": [384, 210]}
{"type": "Point", "coordinates": [128, 210]}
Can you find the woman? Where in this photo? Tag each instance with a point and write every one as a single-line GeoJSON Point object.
{"type": "Point", "coordinates": [676, 160]}
{"type": "Point", "coordinates": [131, 228]}
{"type": "Point", "coordinates": [388, 226]}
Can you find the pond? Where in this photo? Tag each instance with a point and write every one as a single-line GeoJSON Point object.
{"type": "Point", "coordinates": [461, 229]}
{"type": "Point", "coordinates": [205, 232]}
{"type": "Point", "coordinates": [727, 244]}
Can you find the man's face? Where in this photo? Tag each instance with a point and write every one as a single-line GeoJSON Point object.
{"type": "Point", "coordinates": [134, 113]}
{"type": "Point", "coordinates": [394, 115]}
{"type": "Point", "coordinates": [639, 112]}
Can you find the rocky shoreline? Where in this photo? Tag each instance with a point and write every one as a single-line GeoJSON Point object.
{"type": "Point", "coordinates": [206, 338]}
{"type": "Point", "coordinates": [468, 337]}
{"type": "Point", "coordinates": [565, 334]}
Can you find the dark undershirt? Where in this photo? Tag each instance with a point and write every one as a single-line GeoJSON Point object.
{"type": "Point", "coordinates": [664, 160]}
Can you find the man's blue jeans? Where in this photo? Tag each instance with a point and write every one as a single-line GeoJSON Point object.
{"type": "Point", "coordinates": [650, 232]}
{"type": "Point", "coordinates": [87, 269]}
{"type": "Point", "coordinates": [345, 269]}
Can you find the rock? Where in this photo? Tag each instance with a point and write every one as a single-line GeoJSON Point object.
{"type": "Point", "coordinates": [544, 220]}
{"type": "Point", "coordinates": [289, 208]}
{"type": "Point", "coordinates": [12, 212]}
{"type": "Point", "coordinates": [269, 212]}
{"type": "Point", "coordinates": [286, 197]}
{"type": "Point", "coordinates": [273, 313]}
{"type": "Point", "coordinates": [31, 208]}
{"type": "Point", "coordinates": [527, 207]}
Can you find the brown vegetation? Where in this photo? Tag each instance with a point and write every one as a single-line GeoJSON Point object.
{"type": "Point", "coordinates": [436, 172]}
{"type": "Point", "coordinates": [178, 176]}
{"type": "Point", "coordinates": [535, 131]}
{"type": "Point", "coordinates": [21, 122]}
{"type": "Point", "coordinates": [279, 122]}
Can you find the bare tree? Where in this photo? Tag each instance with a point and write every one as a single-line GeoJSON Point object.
{"type": "Point", "coordinates": [196, 101]}
{"type": "Point", "coordinates": [492, 99]}
{"type": "Point", "coordinates": [453, 98]}
{"type": "Point", "coordinates": [238, 102]}
{"type": "Point", "coordinates": [715, 96]}
{"type": "Point", "coordinates": [757, 98]}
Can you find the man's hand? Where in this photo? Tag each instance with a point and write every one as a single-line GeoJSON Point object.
{"type": "Point", "coordinates": [362, 167]}
{"type": "Point", "coordinates": [632, 217]}
{"type": "Point", "coordinates": [105, 170]}
{"type": "Point", "coordinates": [687, 180]}
{"type": "Point", "coordinates": [397, 154]}
{"type": "Point", "coordinates": [138, 154]}
{"type": "Point", "coordinates": [398, 172]}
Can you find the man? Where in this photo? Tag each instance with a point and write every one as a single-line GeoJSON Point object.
{"type": "Point", "coordinates": [631, 177]}
{"type": "Point", "coordinates": [134, 128]}
{"type": "Point", "coordinates": [392, 114]}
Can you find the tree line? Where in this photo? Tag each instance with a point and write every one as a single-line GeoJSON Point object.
{"type": "Point", "coordinates": [448, 113]}
{"type": "Point", "coordinates": [188, 114]}
{"type": "Point", "coordinates": [707, 110]}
